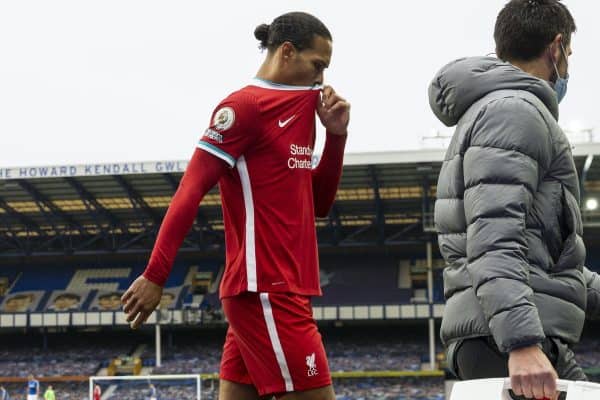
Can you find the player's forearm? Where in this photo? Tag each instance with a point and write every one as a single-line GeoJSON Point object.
{"type": "Point", "coordinates": [201, 175]}
{"type": "Point", "coordinates": [326, 176]}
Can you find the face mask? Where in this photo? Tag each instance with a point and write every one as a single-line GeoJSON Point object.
{"type": "Point", "coordinates": [560, 87]}
{"type": "Point", "coordinates": [560, 84]}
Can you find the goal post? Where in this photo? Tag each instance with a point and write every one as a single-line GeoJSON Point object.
{"type": "Point", "coordinates": [168, 387]}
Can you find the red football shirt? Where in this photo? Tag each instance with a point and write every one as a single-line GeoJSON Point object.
{"type": "Point", "coordinates": [266, 133]}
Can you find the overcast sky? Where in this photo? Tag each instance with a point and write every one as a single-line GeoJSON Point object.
{"type": "Point", "coordinates": [135, 80]}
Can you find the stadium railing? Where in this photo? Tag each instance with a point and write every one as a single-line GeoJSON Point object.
{"type": "Point", "coordinates": [196, 317]}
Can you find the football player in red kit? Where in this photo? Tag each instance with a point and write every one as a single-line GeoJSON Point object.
{"type": "Point", "coordinates": [259, 147]}
{"type": "Point", "coordinates": [97, 392]}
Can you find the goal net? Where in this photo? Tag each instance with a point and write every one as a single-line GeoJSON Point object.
{"type": "Point", "coordinates": [151, 387]}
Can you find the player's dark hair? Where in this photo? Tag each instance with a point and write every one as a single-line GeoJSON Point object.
{"type": "Point", "coordinates": [524, 28]}
{"type": "Point", "coordinates": [298, 28]}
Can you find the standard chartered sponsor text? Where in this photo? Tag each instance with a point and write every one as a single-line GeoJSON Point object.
{"type": "Point", "coordinates": [300, 163]}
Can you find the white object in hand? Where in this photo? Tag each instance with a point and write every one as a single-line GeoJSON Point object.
{"type": "Point", "coordinates": [497, 389]}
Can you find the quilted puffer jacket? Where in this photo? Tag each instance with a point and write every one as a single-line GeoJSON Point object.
{"type": "Point", "coordinates": [507, 210]}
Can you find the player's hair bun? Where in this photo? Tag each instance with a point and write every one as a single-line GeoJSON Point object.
{"type": "Point", "coordinates": [262, 33]}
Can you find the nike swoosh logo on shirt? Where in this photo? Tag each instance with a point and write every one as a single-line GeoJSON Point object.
{"type": "Point", "coordinates": [284, 123]}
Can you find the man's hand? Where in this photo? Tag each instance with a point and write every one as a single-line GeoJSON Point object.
{"type": "Point", "coordinates": [140, 300]}
{"type": "Point", "coordinates": [531, 373]}
{"type": "Point", "coordinates": [334, 112]}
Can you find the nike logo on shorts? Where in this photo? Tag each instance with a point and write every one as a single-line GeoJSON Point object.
{"type": "Point", "coordinates": [282, 124]}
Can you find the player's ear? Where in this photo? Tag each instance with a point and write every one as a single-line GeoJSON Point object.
{"type": "Point", "coordinates": [288, 51]}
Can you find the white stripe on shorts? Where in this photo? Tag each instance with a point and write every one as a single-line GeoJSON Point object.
{"type": "Point", "coordinates": [268, 312]}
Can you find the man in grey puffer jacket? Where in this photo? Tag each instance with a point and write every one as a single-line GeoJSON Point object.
{"type": "Point", "coordinates": [507, 208]}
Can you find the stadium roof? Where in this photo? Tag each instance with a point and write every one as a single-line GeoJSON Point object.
{"type": "Point", "coordinates": [384, 199]}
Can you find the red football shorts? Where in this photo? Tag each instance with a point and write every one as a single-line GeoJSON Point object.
{"type": "Point", "coordinates": [273, 343]}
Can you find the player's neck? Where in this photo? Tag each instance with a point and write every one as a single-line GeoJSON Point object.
{"type": "Point", "coordinates": [268, 72]}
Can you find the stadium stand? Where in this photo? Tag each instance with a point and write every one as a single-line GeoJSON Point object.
{"type": "Point", "coordinates": [346, 389]}
{"type": "Point", "coordinates": [390, 389]}
{"type": "Point", "coordinates": [90, 234]}
{"type": "Point", "coordinates": [67, 288]}
{"type": "Point", "coordinates": [65, 355]}
{"type": "Point", "coordinates": [350, 349]}
{"type": "Point", "coordinates": [63, 390]}
{"type": "Point", "coordinates": [361, 280]}
{"type": "Point", "coordinates": [72, 288]}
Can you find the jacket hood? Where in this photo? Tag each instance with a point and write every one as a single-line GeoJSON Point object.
{"type": "Point", "coordinates": [462, 82]}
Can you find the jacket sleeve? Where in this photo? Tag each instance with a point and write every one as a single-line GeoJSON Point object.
{"type": "Point", "coordinates": [592, 280]}
{"type": "Point", "coordinates": [507, 152]}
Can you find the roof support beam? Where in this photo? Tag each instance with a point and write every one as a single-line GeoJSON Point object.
{"type": "Point", "coordinates": [94, 207]}
{"type": "Point", "coordinates": [426, 207]}
{"type": "Point", "coordinates": [44, 202]}
{"type": "Point", "coordinates": [13, 242]}
{"type": "Point", "coordinates": [398, 235]}
{"type": "Point", "coordinates": [46, 243]}
{"type": "Point", "coordinates": [379, 211]}
{"type": "Point", "coordinates": [30, 224]}
{"type": "Point", "coordinates": [136, 238]}
{"type": "Point", "coordinates": [137, 200]}
{"type": "Point", "coordinates": [335, 224]}
{"type": "Point", "coordinates": [349, 239]}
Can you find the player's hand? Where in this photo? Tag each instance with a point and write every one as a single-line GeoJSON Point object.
{"type": "Point", "coordinates": [531, 373]}
{"type": "Point", "coordinates": [140, 300]}
{"type": "Point", "coordinates": [334, 112]}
